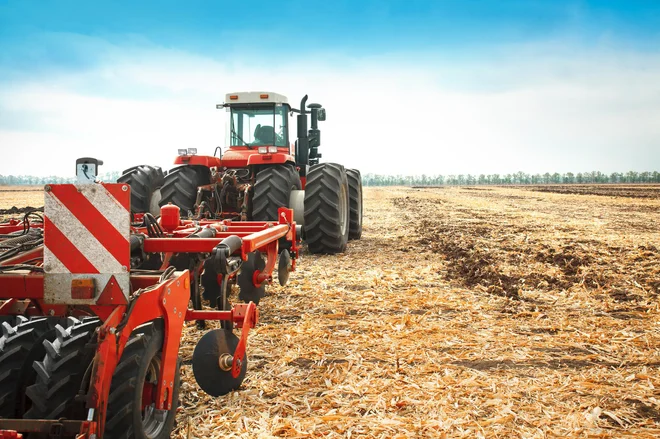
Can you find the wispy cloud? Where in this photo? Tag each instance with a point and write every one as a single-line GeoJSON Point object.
{"type": "Point", "coordinates": [535, 107]}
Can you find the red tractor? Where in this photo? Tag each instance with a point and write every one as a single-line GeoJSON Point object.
{"type": "Point", "coordinates": [259, 172]}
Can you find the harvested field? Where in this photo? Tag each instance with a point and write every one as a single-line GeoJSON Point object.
{"type": "Point", "coordinates": [498, 312]}
{"type": "Point", "coordinates": [15, 200]}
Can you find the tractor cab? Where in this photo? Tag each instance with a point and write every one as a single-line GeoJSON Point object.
{"type": "Point", "coordinates": [257, 119]}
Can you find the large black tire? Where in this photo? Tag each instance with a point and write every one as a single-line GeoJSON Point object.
{"type": "Point", "coordinates": [355, 203]}
{"type": "Point", "coordinates": [272, 189]}
{"type": "Point", "coordinates": [138, 367]}
{"type": "Point", "coordinates": [143, 180]}
{"type": "Point", "coordinates": [180, 187]}
{"type": "Point", "coordinates": [20, 346]}
{"type": "Point", "coordinates": [60, 374]}
{"type": "Point", "coordinates": [326, 209]}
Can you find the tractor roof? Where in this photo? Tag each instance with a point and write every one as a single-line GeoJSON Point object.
{"type": "Point", "coordinates": [253, 97]}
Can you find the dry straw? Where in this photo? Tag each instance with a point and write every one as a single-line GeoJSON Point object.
{"type": "Point", "coordinates": [461, 313]}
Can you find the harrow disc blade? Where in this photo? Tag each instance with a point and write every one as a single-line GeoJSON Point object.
{"type": "Point", "coordinates": [206, 362]}
{"type": "Point", "coordinates": [248, 292]}
{"type": "Point", "coordinates": [284, 267]}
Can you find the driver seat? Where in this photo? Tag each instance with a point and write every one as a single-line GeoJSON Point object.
{"type": "Point", "coordinates": [264, 135]}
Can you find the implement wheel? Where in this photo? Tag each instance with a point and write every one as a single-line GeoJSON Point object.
{"type": "Point", "coordinates": [132, 409]}
{"type": "Point", "coordinates": [144, 182]}
{"type": "Point", "coordinates": [20, 346]}
{"type": "Point", "coordinates": [60, 374]}
{"type": "Point", "coordinates": [326, 209]}
{"type": "Point", "coordinates": [355, 203]}
{"type": "Point", "coordinates": [272, 190]}
{"type": "Point", "coordinates": [180, 187]}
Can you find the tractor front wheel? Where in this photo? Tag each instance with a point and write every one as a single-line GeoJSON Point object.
{"type": "Point", "coordinates": [327, 209]}
{"type": "Point", "coordinates": [144, 182]}
{"type": "Point", "coordinates": [272, 190]}
{"type": "Point", "coordinates": [180, 187]}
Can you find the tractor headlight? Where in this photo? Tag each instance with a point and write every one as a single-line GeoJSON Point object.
{"type": "Point", "coordinates": [263, 150]}
{"type": "Point", "coordinates": [182, 151]}
{"type": "Point", "coordinates": [272, 149]}
{"type": "Point", "coordinates": [192, 151]}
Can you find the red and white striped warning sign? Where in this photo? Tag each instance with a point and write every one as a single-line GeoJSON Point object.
{"type": "Point", "coordinates": [86, 236]}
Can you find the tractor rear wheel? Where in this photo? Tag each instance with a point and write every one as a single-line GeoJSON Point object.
{"type": "Point", "coordinates": [60, 374]}
{"type": "Point", "coordinates": [355, 202]}
{"type": "Point", "coordinates": [144, 182]}
{"type": "Point", "coordinates": [132, 409]}
{"type": "Point", "coordinates": [20, 346]}
{"type": "Point", "coordinates": [180, 187]}
{"type": "Point", "coordinates": [272, 190]}
{"type": "Point", "coordinates": [326, 209]}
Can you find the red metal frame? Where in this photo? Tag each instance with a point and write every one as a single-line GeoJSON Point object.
{"type": "Point", "coordinates": [23, 293]}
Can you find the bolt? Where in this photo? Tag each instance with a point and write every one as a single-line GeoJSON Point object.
{"type": "Point", "coordinates": [164, 301]}
{"type": "Point", "coordinates": [224, 362]}
{"type": "Point", "coordinates": [175, 310]}
{"type": "Point", "coordinates": [123, 268]}
{"type": "Point", "coordinates": [124, 188]}
{"type": "Point", "coordinates": [171, 383]}
{"type": "Point", "coordinates": [178, 283]}
{"type": "Point", "coordinates": [51, 312]}
{"type": "Point", "coordinates": [179, 315]}
{"type": "Point", "coordinates": [168, 291]}
{"type": "Point", "coordinates": [47, 188]}
{"type": "Point", "coordinates": [113, 330]}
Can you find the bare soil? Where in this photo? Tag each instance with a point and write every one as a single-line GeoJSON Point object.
{"type": "Point", "coordinates": [613, 190]}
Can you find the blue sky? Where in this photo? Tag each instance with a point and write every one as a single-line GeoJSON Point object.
{"type": "Point", "coordinates": [481, 86]}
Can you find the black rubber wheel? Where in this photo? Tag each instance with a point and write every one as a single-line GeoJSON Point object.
{"type": "Point", "coordinates": [180, 187]}
{"type": "Point", "coordinates": [209, 349]}
{"type": "Point", "coordinates": [143, 180]}
{"type": "Point", "coordinates": [20, 346]}
{"type": "Point", "coordinates": [61, 372]}
{"type": "Point", "coordinates": [131, 402]}
{"type": "Point", "coordinates": [326, 209]}
{"type": "Point", "coordinates": [355, 203]}
{"type": "Point", "coordinates": [272, 189]}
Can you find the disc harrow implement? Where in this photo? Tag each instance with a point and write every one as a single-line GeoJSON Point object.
{"type": "Point", "coordinates": [94, 301]}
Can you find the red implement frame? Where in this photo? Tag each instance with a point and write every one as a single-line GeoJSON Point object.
{"type": "Point", "coordinates": [23, 294]}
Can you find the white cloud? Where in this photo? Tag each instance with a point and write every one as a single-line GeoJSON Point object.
{"type": "Point", "coordinates": [522, 108]}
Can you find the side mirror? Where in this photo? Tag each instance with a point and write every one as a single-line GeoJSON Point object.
{"type": "Point", "coordinates": [321, 114]}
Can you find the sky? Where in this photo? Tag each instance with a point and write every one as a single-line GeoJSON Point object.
{"type": "Point", "coordinates": [410, 87]}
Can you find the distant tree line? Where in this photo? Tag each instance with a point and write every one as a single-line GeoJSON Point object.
{"type": "Point", "coordinates": [15, 180]}
{"type": "Point", "coordinates": [418, 180]}
{"type": "Point", "coordinates": [516, 178]}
